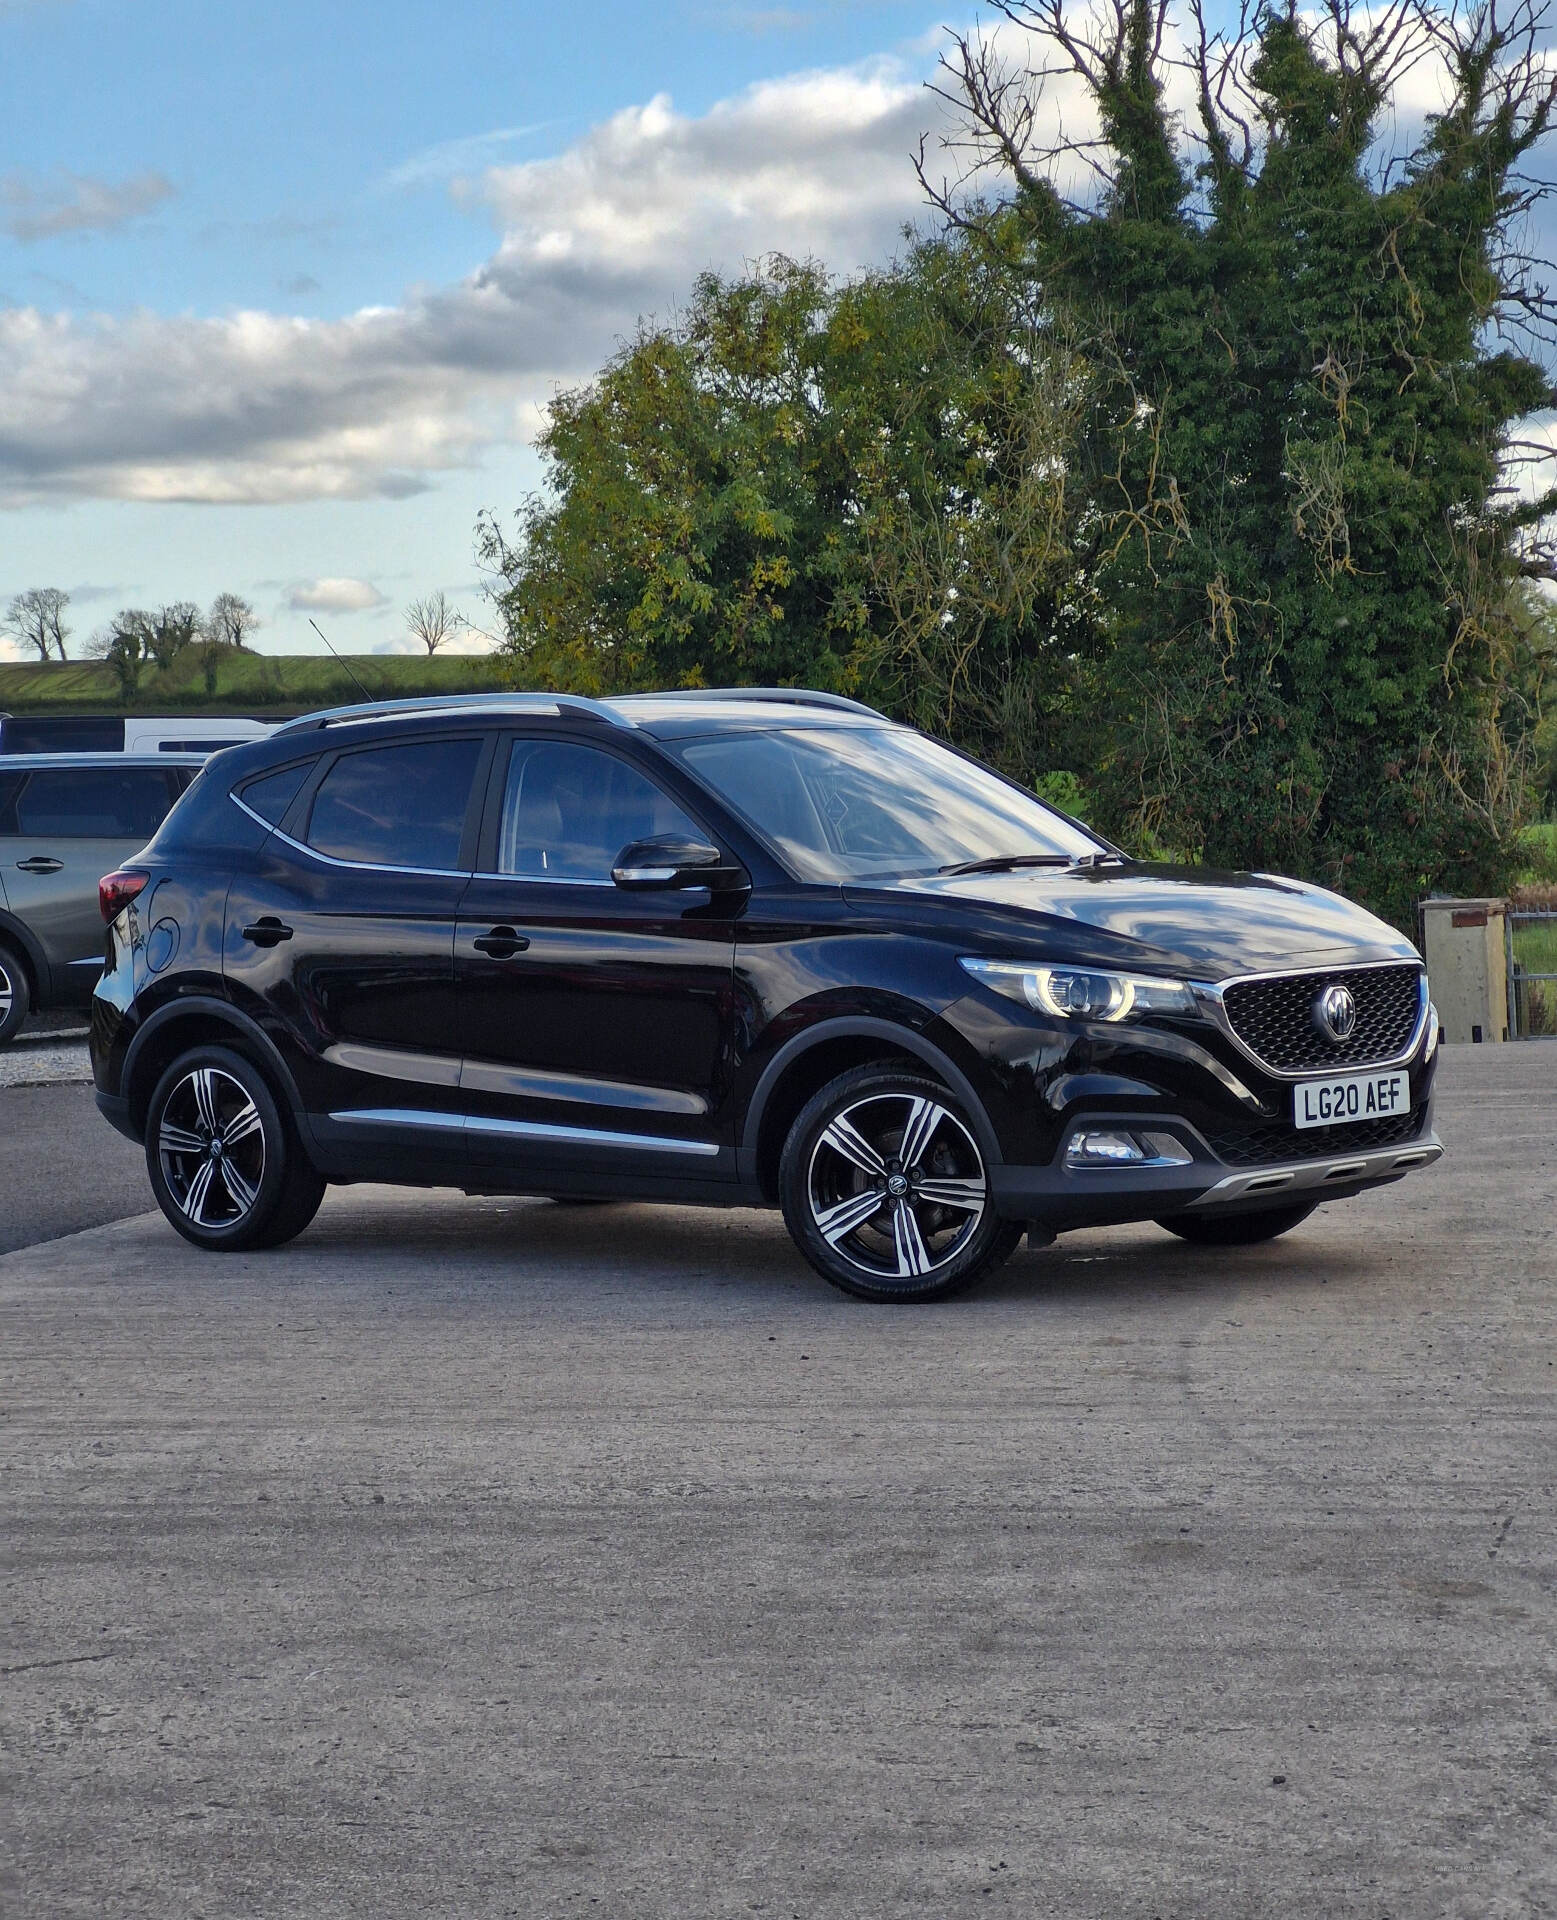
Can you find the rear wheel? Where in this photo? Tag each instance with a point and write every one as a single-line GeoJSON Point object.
{"type": "Point", "coordinates": [225, 1163]}
{"type": "Point", "coordinates": [15, 996]}
{"type": "Point", "coordinates": [1236, 1229]}
{"type": "Point", "coordinates": [885, 1190]}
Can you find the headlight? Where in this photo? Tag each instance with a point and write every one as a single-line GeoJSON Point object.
{"type": "Point", "coordinates": [1082, 993]}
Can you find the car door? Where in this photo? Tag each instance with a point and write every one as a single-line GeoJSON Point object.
{"type": "Point", "coordinates": [61, 829]}
{"type": "Point", "coordinates": [597, 1024]}
{"type": "Point", "coordinates": [340, 934]}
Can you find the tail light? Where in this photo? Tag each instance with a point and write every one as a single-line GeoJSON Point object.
{"type": "Point", "coordinates": [116, 890]}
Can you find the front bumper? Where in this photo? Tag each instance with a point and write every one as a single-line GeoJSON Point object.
{"type": "Point", "coordinates": [1063, 1197]}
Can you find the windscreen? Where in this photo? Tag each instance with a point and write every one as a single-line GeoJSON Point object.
{"type": "Point", "coordinates": [852, 803]}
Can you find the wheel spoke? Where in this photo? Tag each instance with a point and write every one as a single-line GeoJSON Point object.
{"type": "Point", "coordinates": [913, 1256]}
{"type": "Point", "coordinates": [172, 1139]}
{"type": "Point", "coordinates": [967, 1195]}
{"type": "Point", "coordinates": [244, 1122]}
{"type": "Point", "coordinates": [924, 1116]}
{"type": "Point", "coordinates": [837, 1222]}
{"type": "Point", "coordinates": [241, 1193]}
{"type": "Point", "coordinates": [844, 1137]}
{"type": "Point", "coordinates": [199, 1192]}
{"type": "Point", "coordinates": [203, 1081]}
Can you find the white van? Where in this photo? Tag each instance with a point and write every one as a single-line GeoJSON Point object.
{"type": "Point", "coordinates": [127, 733]}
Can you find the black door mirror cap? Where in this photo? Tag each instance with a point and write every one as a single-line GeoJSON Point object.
{"type": "Point", "coordinates": [670, 861]}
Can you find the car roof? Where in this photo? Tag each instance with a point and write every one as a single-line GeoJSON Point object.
{"type": "Point", "coordinates": [24, 762]}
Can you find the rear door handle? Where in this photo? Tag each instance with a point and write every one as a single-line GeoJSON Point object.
{"type": "Point", "coordinates": [502, 943]}
{"type": "Point", "coordinates": [40, 863]}
{"type": "Point", "coordinates": [267, 932]}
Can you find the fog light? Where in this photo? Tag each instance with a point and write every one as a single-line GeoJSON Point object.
{"type": "Point", "coordinates": [1126, 1150]}
{"type": "Point", "coordinates": [1105, 1150]}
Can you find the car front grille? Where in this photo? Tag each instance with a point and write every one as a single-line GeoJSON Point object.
{"type": "Point", "coordinates": [1274, 1017]}
{"type": "Point", "coordinates": [1270, 1146]}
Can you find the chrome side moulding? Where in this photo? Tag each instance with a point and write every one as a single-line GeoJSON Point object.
{"type": "Point", "coordinates": [411, 1119]}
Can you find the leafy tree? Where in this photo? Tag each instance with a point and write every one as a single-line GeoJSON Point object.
{"type": "Point", "coordinates": [36, 619]}
{"type": "Point", "coordinates": [170, 630]}
{"type": "Point", "coordinates": [1306, 384]}
{"type": "Point", "coordinates": [859, 488]}
{"type": "Point", "coordinates": [125, 644]}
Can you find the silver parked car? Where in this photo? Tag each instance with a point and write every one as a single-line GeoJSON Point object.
{"type": "Point", "coordinates": [65, 821]}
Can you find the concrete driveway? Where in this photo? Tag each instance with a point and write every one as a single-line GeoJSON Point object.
{"type": "Point", "coordinates": [475, 1558]}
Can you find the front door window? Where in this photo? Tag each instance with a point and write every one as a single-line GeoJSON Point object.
{"type": "Point", "coordinates": [569, 810]}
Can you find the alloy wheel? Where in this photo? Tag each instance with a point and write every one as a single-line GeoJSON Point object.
{"type": "Point", "coordinates": [896, 1185]}
{"type": "Point", "coordinates": [211, 1144]}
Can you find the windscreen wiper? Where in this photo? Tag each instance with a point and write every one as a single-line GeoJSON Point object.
{"type": "Point", "coordinates": [1003, 862]}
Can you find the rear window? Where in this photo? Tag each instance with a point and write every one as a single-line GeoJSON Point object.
{"type": "Point", "coordinates": [91, 803]}
{"type": "Point", "coordinates": [401, 806]}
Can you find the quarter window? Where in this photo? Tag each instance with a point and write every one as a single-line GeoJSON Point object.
{"type": "Point", "coordinates": [401, 806]}
{"type": "Point", "coordinates": [568, 811]}
{"type": "Point", "coordinates": [271, 797]}
{"type": "Point", "coordinates": [93, 803]}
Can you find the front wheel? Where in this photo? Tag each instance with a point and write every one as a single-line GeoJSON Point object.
{"type": "Point", "coordinates": [225, 1164]}
{"type": "Point", "coordinates": [1236, 1229]}
{"type": "Point", "coordinates": [885, 1190]}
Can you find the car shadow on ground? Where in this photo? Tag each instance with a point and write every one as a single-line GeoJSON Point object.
{"type": "Point", "coordinates": [690, 1254]}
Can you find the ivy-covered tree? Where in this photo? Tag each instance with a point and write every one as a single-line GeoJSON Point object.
{"type": "Point", "coordinates": [1309, 365]}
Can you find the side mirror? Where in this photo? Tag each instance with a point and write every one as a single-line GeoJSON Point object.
{"type": "Point", "coordinates": [669, 861]}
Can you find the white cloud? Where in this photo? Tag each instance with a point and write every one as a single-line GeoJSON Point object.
{"type": "Point", "coordinates": [454, 159]}
{"type": "Point", "coordinates": [75, 203]}
{"type": "Point", "coordinates": [264, 407]}
{"type": "Point", "coordinates": [335, 595]}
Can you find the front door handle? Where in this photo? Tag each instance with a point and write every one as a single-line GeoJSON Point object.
{"type": "Point", "coordinates": [267, 932]}
{"type": "Point", "coordinates": [40, 863]}
{"type": "Point", "coordinates": [502, 943]}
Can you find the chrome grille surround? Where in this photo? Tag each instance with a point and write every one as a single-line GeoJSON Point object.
{"type": "Point", "coordinates": [1267, 1017]}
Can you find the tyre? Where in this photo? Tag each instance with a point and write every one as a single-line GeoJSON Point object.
{"type": "Point", "coordinates": [885, 1190]}
{"type": "Point", "coordinates": [1236, 1229]}
{"type": "Point", "coordinates": [224, 1161]}
{"type": "Point", "coordinates": [15, 995]}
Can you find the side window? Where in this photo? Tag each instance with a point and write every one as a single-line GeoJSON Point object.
{"type": "Point", "coordinates": [271, 795]}
{"type": "Point", "coordinates": [400, 806]}
{"type": "Point", "coordinates": [568, 811]}
{"type": "Point", "coordinates": [96, 803]}
{"type": "Point", "coordinates": [10, 787]}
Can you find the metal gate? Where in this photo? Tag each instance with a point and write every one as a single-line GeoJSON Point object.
{"type": "Point", "coordinates": [1531, 934]}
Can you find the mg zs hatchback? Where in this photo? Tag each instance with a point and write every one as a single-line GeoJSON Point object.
{"type": "Point", "coordinates": [745, 949]}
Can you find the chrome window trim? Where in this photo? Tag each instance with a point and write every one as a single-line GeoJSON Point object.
{"type": "Point", "coordinates": [522, 1129]}
{"type": "Point", "coordinates": [1209, 994]}
{"type": "Point", "coordinates": [353, 866]}
{"type": "Point", "coordinates": [543, 879]}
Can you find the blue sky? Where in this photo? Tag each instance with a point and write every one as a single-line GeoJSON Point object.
{"type": "Point", "coordinates": [283, 287]}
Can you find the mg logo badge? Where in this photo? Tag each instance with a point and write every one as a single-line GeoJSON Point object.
{"type": "Point", "coordinates": [1335, 1013]}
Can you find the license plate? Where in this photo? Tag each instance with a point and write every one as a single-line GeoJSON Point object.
{"type": "Point", "coordinates": [1352, 1096]}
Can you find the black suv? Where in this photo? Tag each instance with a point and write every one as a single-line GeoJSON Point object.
{"type": "Point", "coordinates": [743, 948]}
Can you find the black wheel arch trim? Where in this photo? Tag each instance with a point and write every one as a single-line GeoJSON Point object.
{"type": "Point", "coordinates": [864, 1027]}
{"type": "Point", "coordinates": [209, 1007]}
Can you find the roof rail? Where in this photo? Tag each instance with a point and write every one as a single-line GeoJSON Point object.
{"type": "Point", "coordinates": [792, 696]}
{"type": "Point", "coordinates": [453, 703]}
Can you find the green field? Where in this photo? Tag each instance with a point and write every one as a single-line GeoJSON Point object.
{"type": "Point", "coordinates": [246, 683]}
